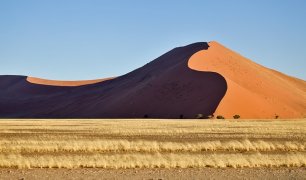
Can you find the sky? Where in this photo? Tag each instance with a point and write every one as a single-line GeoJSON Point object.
{"type": "Point", "coordinates": [89, 39]}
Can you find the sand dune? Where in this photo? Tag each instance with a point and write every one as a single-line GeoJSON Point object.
{"type": "Point", "coordinates": [253, 90]}
{"type": "Point", "coordinates": [153, 90]}
{"type": "Point", "coordinates": [200, 78]}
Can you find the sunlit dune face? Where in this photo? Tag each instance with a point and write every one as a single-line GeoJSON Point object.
{"type": "Point", "coordinates": [253, 90]}
{"type": "Point", "coordinates": [63, 83]}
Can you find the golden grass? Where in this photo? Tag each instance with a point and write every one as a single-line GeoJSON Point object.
{"type": "Point", "coordinates": [152, 143]}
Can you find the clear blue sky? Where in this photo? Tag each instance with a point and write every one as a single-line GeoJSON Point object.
{"type": "Point", "coordinates": [88, 39]}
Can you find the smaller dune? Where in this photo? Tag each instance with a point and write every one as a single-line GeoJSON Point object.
{"type": "Point", "coordinates": [40, 81]}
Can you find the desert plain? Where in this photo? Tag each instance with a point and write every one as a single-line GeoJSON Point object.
{"type": "Point", "coordinates": [152, 149]}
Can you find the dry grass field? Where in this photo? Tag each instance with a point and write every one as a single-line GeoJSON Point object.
{"type": "Point", "coordinates": [124, 144]}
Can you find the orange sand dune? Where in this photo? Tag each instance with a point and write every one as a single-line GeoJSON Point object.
{"type": "Point", "coordinates": [200, 78]}
{"type": "Point", "coordinates": [63, 83]}
{"type": "Point", "coordinates": [253, 90]}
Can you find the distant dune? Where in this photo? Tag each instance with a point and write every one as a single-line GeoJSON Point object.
{"type": "Point", "coordinates": [201, 78]}
{"type": "Point", "coordinates": [63, 83]}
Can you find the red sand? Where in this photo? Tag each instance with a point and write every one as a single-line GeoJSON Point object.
{"type": "Point", "coordinates": [253, 90]}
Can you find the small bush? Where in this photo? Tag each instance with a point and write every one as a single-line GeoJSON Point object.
{"type": "Point", "coordinates": [236, 116]}
{"type": "Point", "coordinates": [210, 116]}
{"type": "Point", "coordinates": [145, 116]}
{"type": "Point", "coordinates": [181, 116]}
{"type": "Point", "coordinates": [276, 116]}
{"type": "Point", "coordinates": [220, 117]}
{"type": "Point", "coordinates": [199, 116]}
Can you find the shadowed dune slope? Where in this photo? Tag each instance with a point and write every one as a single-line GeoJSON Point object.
{"type": "Point", "coordinates": [163, 88]}
{"type": "Point", "coordinates": [253, 90]}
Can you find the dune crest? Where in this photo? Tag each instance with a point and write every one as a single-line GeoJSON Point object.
{"type": "Point", "coordinates": [253, 90]}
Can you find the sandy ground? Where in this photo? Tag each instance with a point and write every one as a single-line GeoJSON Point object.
{"type": "Point", "coordinates": [189, 173]}
{"type": "Point", "coordinates": [152, 149]}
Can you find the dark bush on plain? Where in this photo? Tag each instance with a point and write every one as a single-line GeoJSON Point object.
{"type": "Point", "coordinates": [236, 116]}
{"type": "Point", "coordinates": [220, 117]}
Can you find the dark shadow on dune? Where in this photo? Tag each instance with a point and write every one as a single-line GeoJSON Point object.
{"type": "Point", "coordinates": [163, 88]}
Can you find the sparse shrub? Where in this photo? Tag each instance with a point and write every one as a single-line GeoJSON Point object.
{"type": "Point", "coordinates": [210, 116]}
{"type": "Point", "coordinates": [220, 117]}
{"type": "Point", "coordinates": [276, 116]}
{"type": "Point", "coordinates": [199, 116]}
{"type": "Point", "coordinates": [236, 116]}
{"type": "Point", "coordinates": [181, 116]}
{"type": "Point", "coordinates": [145, 116]}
